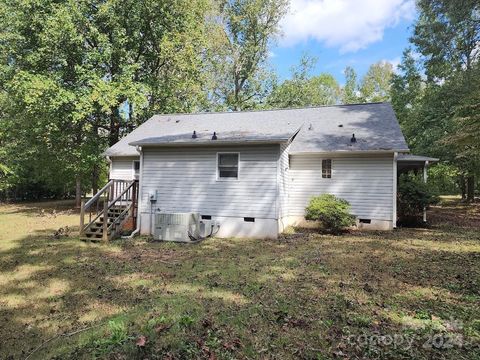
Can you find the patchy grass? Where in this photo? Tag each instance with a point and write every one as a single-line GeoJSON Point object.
{"type": "Point", "coordinates": [410, 293]}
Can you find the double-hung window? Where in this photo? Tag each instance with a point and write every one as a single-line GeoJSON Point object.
{"type": "Point", "coordinates": [227, 165]}
{"type": "Point", "coordinates": [327, 168]}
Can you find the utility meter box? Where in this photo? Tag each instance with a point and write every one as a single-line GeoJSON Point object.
{"type": "Point", "coordinates": [152, 196]}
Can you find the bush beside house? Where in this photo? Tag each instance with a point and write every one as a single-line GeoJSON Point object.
{"type": "Point", "coordinates": [332, 212]}
{"type": "Point", "coordinates": [413, 196]}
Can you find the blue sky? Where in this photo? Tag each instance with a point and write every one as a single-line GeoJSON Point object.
{"type": "Point", "coordinates": [342, 33]}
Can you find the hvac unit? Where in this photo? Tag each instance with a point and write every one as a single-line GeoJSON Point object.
{"type": "Point", "coordinates": [177, 226]}
{"type": "Point", "coordinates": [206, 228]}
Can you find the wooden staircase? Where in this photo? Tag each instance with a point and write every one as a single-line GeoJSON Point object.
{"type": "Point", "coordinates": [108, 210]}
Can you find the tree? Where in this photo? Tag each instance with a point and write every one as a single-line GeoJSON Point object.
{"type": "Point", "coordinates": [375, 85]}
{"type": "Point", "coordinates": [447, 35]}
{"type": "Point", "coordinates": [70, 68]}
{"type": "Point", "coordinates": [240, 77]}
{"type": "Point", "coordinates": [305, 90]}
{"type": "Point", "coordinates": [407, 90]}
{"type": "Point", "coordinates": [465, 139]}
{"type": "Point", "coordinates": [350, 90]}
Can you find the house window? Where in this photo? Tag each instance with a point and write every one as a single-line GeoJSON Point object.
{"type": "Point", "coordinates": [327, 169]}
{"type": "Point", "coordinates": [227, 165]}
{"type": "Point", "coordinates": [136, 169]}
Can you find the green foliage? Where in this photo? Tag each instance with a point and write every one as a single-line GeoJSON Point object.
{"type": "Point", "coordinates": [240, 78]}
{"type": "Point", "coordinates": [444, 179]}
{"type": "Point", "coordinates": [349, 94]}
{"type": "Point", "coordinates": [332, 212]}
{"type": "Point", "coordinates": [186, 321]}
{"type": "Point", "coordinates": [435, 95]}
{"type": "Point", "coordinates": [305, 90]}
{"type": "Point", "coordinates": [413, 195]}
{"type": "Point", "coordinates": [447, 34]}
{"type": "Point", "coordinates": [77, 75]}
{"type": "Point", "coordinates": [375, 85]}
{"type": "Point", "coordinates": [406, 92]}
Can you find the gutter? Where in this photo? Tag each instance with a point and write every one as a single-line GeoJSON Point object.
{"type": "Point", "coordinates": [347, 152]}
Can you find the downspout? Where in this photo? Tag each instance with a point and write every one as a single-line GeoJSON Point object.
{"type": "Point", "coordinates": [139, 198]}
{"type": "Point", "coordinates": [394, 212]}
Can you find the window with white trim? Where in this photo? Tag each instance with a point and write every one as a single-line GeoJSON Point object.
{"type": "Point", "coordinates": [227, 165]}
{"type": "Point", "coordinates": [327, 168]}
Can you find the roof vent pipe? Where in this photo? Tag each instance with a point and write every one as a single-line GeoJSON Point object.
{"type": "Point", "coordinates": [194, 135]}
{"type": "Point", "coordinates": [310, 127]}
{"type": "Point", "coordinates": [353, 139]}
{"type": "Point", "coordinates": [214, 137]}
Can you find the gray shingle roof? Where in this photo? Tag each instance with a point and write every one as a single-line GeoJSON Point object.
{"type": "Point", "coordinates": [322, 129]}
{"type": "Point", "coordinates": [206, 139]}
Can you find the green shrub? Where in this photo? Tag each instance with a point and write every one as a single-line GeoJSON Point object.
{"type": "Point", "coordinates": [413, 196]}
{"type": "Point", "coordinates": [332, 212]}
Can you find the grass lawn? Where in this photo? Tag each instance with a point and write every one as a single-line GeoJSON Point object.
{"type": "Point", "coordinates": [401, 294]}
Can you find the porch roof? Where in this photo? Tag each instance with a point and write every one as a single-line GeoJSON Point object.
{"type": "Point", "coordinates": [409, 162]}
{"type": "Point", "coordinates": [415, 158]}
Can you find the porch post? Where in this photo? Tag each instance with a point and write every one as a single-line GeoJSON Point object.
{"type": "Point", "coordinates": [425, 176]}
{"type": "Point", "coordinates": [394, 191]}
{"type": "Point", "coordinates": [105, 219]}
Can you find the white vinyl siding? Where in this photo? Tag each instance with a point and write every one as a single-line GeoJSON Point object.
{"type": "Point", "coordinates": [366, 182]}
{"type": "Point", "coordinates": [122, 168]}
{"type": "Point", "coordinates": [283, 164]}
{"type": "Point", "coordinates": [185, 180]}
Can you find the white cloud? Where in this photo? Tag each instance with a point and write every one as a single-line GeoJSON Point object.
{"type": "Point", "coordinates": [350, 25]}
{"type": "Point", "coordinates": [395, 62]}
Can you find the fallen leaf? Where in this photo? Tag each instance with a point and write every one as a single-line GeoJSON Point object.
{"type": "Point", "coordinates": [141, 341]}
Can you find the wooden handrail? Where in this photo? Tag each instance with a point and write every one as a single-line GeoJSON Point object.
{"type": "Point", "coordinates": [121, 194]}
{"type": "Point", "coordinates": [98, 195]}
{"type": "Point", "coordinates": [127, 209]}
{"type": "Point", "coordinates": [108, 205]}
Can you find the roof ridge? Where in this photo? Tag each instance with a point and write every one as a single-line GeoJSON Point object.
{"type": "Point", "coordinates": [269, 110]}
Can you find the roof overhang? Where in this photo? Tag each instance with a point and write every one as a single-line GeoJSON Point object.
{"type": "Point", "coordinates": [347, 152]}
{"type": "Point", "coordinates": [408, 162]}
{"type": "Point", "coordinates": [207, 140]}
{"type": "Point", "coordinates": [415, 158]}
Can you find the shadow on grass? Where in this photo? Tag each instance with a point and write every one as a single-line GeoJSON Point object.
{"type": "Point", "coordinates": [296, 297]}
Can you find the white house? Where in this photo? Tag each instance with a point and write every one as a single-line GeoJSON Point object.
{"type": "Point", "coordinates": [255, 171]}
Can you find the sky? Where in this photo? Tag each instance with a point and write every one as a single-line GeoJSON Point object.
{"type": "Point", "coordinates": [342, 33]}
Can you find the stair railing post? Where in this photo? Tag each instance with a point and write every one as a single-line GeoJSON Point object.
{"type": "Point", "coordinates": [82, 218]}
{"type": "Point", "coordinates": [105, 219]}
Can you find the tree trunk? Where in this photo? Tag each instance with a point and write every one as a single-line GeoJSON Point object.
{"type": "Point", "coordinates": [470, 188]}
{"type": "Point", "coordinates": [463, 188]}
{"type": "Point", "coordinates": [78, 192]}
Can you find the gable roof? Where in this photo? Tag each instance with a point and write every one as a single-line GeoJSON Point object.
{"type": "Point", "coordinates": [320, 129]}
